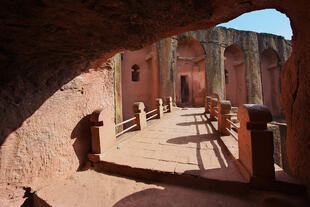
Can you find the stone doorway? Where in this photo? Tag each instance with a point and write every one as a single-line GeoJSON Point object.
{"type": "Point", "coordinates": [191, 73]}
{"type": "Point", "coordinates": [184, 90]}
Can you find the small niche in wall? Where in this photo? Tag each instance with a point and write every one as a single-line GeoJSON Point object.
{"type": "Point", "coordinates": [226, 76]}
{"type": "Point", "coordinates": [135, 73]}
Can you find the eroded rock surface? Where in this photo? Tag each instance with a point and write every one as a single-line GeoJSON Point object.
{"type": "Point", "coordinates": [45, 44]}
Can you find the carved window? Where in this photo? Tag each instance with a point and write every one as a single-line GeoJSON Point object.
{"type": "Point", "coordinates": [135, 73]}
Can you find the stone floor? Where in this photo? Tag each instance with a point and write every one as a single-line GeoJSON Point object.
{"type": "Point", "coordinates": [90, 188]}
{"type": "Point", "coordinates": [183, 142]}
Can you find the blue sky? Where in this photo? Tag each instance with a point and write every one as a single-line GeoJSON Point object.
{"type": "Point", "coordinates": [267, 21]}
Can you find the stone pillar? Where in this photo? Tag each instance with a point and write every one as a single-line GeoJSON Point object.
{"type": "Point", "coordinates": [169, 103]}
{"type": "Point", "coordinates": [255, 142]}
{"type": "Point", "coordinates": [253, 76]}
{"type": "Point", "coordinates": [224, 108]}
{"type": "Point", "coordinates": [213, 104]}
{"type": "Point", "coordinates": [215, 64]}
{"type": "Point", "coordinates": [207, 103]}
{"type": "Point", "coordinates": [167, 65]}
{"type": "Point", "coordinates": [160, 108]}
{"type": "Point", "coordinates": [102, 131]}
{"type": "Point", "coordinates": [138, 109]}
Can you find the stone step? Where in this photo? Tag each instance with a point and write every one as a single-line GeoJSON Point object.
{"type": "Point", "coordinates": [178, 179]}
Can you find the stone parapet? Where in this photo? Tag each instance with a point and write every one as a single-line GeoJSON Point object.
{"type": "Point", "coordinates": [255, 142]}
{"type": "Point", "coordinates": [103, 132]}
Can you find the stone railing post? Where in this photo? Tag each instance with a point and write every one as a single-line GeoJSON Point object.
{"type": "Point", "coordinates": [207, 103]}
{"type": "Point", "coordinates": [213, 104]}
{"type": "Point", "coordinates": [160, 108]}
{"type": "Point", "coordinates": [169, 103]}
{"type": "Point", "coordinates": [224, 108]}
{"type": "Point", "coordinates": [102, 131]}
{"type": "Point", "coordinates": [138, 109]}
{"type": "Point", "coordinates": [255, 142]}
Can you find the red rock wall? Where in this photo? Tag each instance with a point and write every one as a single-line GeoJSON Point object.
{"type": "Point", "coordinates": [235, 85]}
{"type": "Point", "coordinates": [166, 49]}
{"type": "Point", "coordinates": [271, 81]}
{"type": "Point", "coordinates": [295, 96]}
{"type": "Point", "coordinates": [54, 141]}
{"type": "Point", "coordinates": [194, 71]}
{"type": "Point", "coordinates": [45, 44]}
{"type": "Point", "coordinates": [146, 89]}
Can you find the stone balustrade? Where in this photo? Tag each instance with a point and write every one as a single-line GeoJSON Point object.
{"type": "Point", "coordinates": [160, 108]}
{"type": "Point", "coordinates": [139, 113]}
{"type": "Point", "coordinates": [103, 130]}
{"type": "Point", "coordinates": [255, 141]}
{"type": "Point", "coordinates": [207, 104]}
{"type": "Point", "coordinates": [224, 108]}
{"type": "Point", "coordinates": [169, 103]}
{"type": "Point", "coordinates": [213, 105]}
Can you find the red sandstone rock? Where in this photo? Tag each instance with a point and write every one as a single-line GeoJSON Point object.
{"type": "Point", "coordinates": [190, 75]}
{"type": "Point", "coordinates": [48, 80]}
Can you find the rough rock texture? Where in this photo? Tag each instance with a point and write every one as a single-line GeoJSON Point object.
{"type": "Point", "coordinates": [118, 89]}
{"type": "Point", "coordinates": [190, 73]}
{"type": "Point", "coordinates": [144, 87]}
{"type": "Point", "coordinates": [55, 140]}
{"type": "Point", "coordinates": [90, 188]}
{"type": "Point", "coordinates": [279, 143]}
{"type": "Point", "coordinates": [167, 67]}
{"type": "Point", "coordinates": [217, 39]}
{"type": "Point", "coordinates": [46, 44]}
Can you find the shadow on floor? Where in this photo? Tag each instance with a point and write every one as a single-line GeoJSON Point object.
{"type": "Point", "coordinates": [173, 196]}
{"type": "Point", "coordinates": [195, 114]}
{"type": "Point", "coordinates": [212, 137]}
{"type": "Point", "coordinates": [176, 197]}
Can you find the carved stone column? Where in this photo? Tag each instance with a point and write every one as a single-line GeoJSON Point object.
{"type": "Point", "coordinates": [138, 109]}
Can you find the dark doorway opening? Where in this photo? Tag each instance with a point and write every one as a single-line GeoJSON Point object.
{"type": "Point", "coordinates": [184, 89]}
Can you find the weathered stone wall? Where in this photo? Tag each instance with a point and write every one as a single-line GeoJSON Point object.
{"type": "Point", "coordinates": [45, 44]}
{"type": "Point", "coordinates": [54, 141]}
{"type": "Point", "coordinates": [145, 88]}
{"type": "Point", "coordinates": [190, 66]}
{"type": "Point", "coordinates": [210, 41]}
{"type": "Point", "coordinates": [167, 67]}
{"type": "Point", "coordinates": [118, 89]}
{"type": "Point", "coordinates": [279, 142]}
{"type": "Point", "coordinates": [216, 39]}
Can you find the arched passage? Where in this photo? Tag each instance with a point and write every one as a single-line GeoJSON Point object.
{"type": "Point", "coordinates": [191, 83]}
{"type": "Point", "coordinates": [81, 35]}
{"type": "Point", "coordinates": [271, 81]}
{"type": "Point", "coordinates": [235, 85]}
